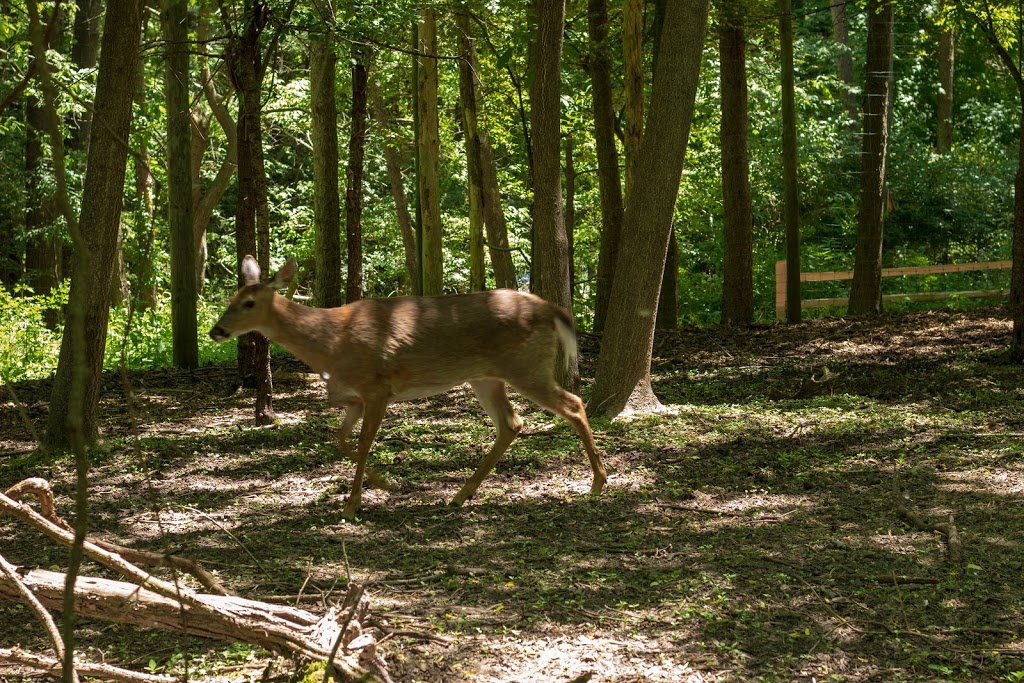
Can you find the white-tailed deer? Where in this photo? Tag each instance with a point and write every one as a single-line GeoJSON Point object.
{"type": "Point", "coordinates": [378, 351]}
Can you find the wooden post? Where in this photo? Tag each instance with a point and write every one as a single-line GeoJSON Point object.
{"type": "Point", "coordinates": [780, 290]}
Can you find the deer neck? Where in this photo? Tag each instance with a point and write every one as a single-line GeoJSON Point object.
{"type": "Point", "coordinates": [306, 332]}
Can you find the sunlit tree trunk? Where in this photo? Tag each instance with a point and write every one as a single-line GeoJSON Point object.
{"type": "Point", "coordinates": [474, 173]}
{"type": "Point", "coordinates": [550, 274]}
{"type": "Point", "coordinates": [431, 255]}
{"type": "Point", "coordinates": [326, 203]}
{"type": "Point", "coordinates": [624, 365]}
{"type": "Point", "coordinates": [866, 290]}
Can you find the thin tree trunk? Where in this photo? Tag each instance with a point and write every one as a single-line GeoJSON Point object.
{"type": "Point", "coordinates": [326, 203]}
{"type": "Point", "coordinates": [790, 164]}
{"type": "Point", "coordinates": [844, 60]}
{"type": "Point", "coordinates": [184, 319]}
{"type": "Point", "coordinates": [570, 212]}
{"type": "Point", "coordinates": [624, 365]}
{"type": "Point", "coordinates": [738, 268]}
{"type": "Point", "coordinates": [607, 157]}
{"type": "Point", "coordinates": [668, 298]}
{"type": "Point", "coordinates": [474, 173]}
{"type": "Point", "coordinates": [43, 247]}
{"type": "Point", "coordinates": [394, 169]}
{"type": "Point", "coordinates": [145, 211]}
{"type": "Point", "coordinates": [633, 86]}
{"type": "Point", "coordinates": [1017, 253]}
{"type": "Point", "coordinates": [100, 220]}
{"type": "Point", "coordinates": [549, 276]}
{"type": "Point", "coordinates": [866, 290]}
{"type": "Point", "coordinates": [944, 103]}
{"type": "Point", "coordinates": [431, 255]}
{"type": "Point", "coordinates": [85, 48]}
{"type": "Point", "coordinates": [354, 190]}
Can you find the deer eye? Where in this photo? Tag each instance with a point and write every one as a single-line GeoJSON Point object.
{"type": "Point", "coordinates": [249, 304]}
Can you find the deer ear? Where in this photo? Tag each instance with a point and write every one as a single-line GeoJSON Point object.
{"type": "Point", "coordinates": [250, 271]}
{"type": "Point", "coordinates": [284, 276]}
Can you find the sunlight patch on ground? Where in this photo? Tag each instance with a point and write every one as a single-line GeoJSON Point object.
{"type": "Point", "coordinates": [997, 483]}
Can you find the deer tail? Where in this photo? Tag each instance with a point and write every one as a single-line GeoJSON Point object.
{"type": "Point", "coordinates": [564, 325]}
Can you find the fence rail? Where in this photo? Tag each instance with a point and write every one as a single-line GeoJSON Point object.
{"type": "Point", "coordinates": [780, 284]}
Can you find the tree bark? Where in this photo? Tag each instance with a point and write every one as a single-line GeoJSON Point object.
{"type": "Point", "coordinates": [790, 163]}
{"type": "Point", "coordinates": [549, 277]}
{"type": "Point", "coordinates": [100, 220]}
{"type": "Point", "coordinates": [393, 164]}
{"type": "Point", "coordinates": [85, 49]}
{"type": "Point", "coordinates": [607, 157]}
{"type": "Point", "coordinates": [326, 203]}
{"type": "Point", "coordinates": [944, 99]}
{"type": "Point", "coordinates": [624, 364]}
{"type": "Point", "coordinates": [844, 60]}
{"type": "Point", "coordinates": [633, 86]}
{"type": "Point", "coordinates": [866, 290]}
{"type": "Point", "coordinates": [474, 173]}
{"type": "Point", "coordinates": [428, 141]}
{"type": "Point", "coordinates": [738, 267]}
{"type": "Point", "coordinates": [177, 78]}
{"type": "Point", "coordinates": [354, 188]}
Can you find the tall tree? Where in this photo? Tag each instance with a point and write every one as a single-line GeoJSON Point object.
{"type": "Point", "coordinates": [609, 185]}
{"type": "Point", "coordinates": [428, 147]}
{"type": "Point", "coordinates": [247, 65]}
{"type": "Point", "coordinates": [326, 203]}
{"type": "Point", "coordinates": [354, 185]}
{"type": "Point", "coordinates": [993, 32]}
{"type": "Point", "coordinates": [633, 86]}
{"type": "Point", "coordinates": [184, 328]}
{"type": "Point", "coordinates": [43, 246]}
{"type": "Point", "coordinates": [738, 267]}
{"type": "Point", "coordinates": [393, 163]}
{"type": "Point", "coordinates": [624, 364]}
{"type": "Point", "coordinates": [844, 60]}
{"type": "Point", "coordinates": [791, 186]}
{"type": "Point", "coordinates": [944, 98]}
{"type": "Point", "coordinates": [100, 220]}
{"type": "Point", "coordinates": [84, 53]}
{"type": "Point", "coordinates": [866, 290]}
{"type": "Point", "coordinates": [550, 273]}
{"type": "Point", "coordinates": [469, 103]}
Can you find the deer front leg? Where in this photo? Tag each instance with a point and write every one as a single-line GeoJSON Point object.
{"type": "Point", "coordinates": [492, 396]}
{"type": "Point", "coordinates": [354, 411]}
{"type": "Point", "coordinates": [373, 414]}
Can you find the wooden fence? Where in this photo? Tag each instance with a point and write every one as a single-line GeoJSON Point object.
{"type": "Point", "coordinates": [780, 284]}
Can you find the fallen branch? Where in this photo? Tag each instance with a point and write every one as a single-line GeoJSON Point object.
{"type": "Point", "coordinates": [948, 530]}
{"type": "Point", "coordinates": [51, 666]}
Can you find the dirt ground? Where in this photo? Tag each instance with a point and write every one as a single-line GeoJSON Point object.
{"type": "Point", "coordinates": [761, 529]}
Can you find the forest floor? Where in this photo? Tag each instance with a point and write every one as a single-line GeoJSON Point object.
{"type": "Point", "coordinates": [758, 531]}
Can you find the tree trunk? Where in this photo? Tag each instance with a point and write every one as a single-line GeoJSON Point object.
{"type": "Point", "coordinates": [145, 211]}
{"type": "Point", "coordinates": [944, 103]}
{"type": "Point", "coordinates": [624, 365]}
{"type": "Point", "coordinates": [354, 189]}
{"type": "Point", "coordinates": [668, 298]}
{"type": "Point", "coordinates": [844, 60]}
{"type": "Point", "coordinates": [100, 219]}
{"type": "Point", "coordinates": [738, 268]}
{"type": "Point", "coordinates": [866, 290]}
{"type": "Point", "coordinates": [474, 174]}
{"type": "Point", "coordinates": [1017, 254]}
{"type": "Point", "coordinates": [326, 203]}
{"type": "Point", "coordinates": [549, 277]}
{"type": "Point", "coordinates": [394, 169]}
{"type": "Point", "coordinates": [184, 319]}
{"type": "Point", "coordinates": [791, 201]}
{"type": "Point", "coordinates": [633, 86]}
{"type": "Point", "coordinates": [607, 157]}
{"type": "Point", "coordinates": [246, 62]}
{"type": "Point", "coordinates": [570, 213]}
{"type": "Point", "coordinates": [428, 141]}
{"type": "Point", "coordinates": [84, 53]}
{"type": "Point", "coordinates": [43, 246]}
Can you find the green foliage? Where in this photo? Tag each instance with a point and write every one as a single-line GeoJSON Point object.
{"type": "Point", "coordinates": [28, 349]}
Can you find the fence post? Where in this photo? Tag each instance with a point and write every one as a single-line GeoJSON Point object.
{"type": "Point", "coordinates": [780, 290]}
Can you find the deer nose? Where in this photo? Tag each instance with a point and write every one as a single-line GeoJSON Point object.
{"type": "Point", "coordinates": [217, 333]}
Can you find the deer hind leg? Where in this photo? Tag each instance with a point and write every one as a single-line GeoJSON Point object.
{"type": "Point", "coordinates": [570, 407]}
{"type": "Point", "coordinates": [492, 396]}
{"type": "Point", "coordinates": [373, 415]}
{"type": "Point", "coordinates": [354, 411]}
